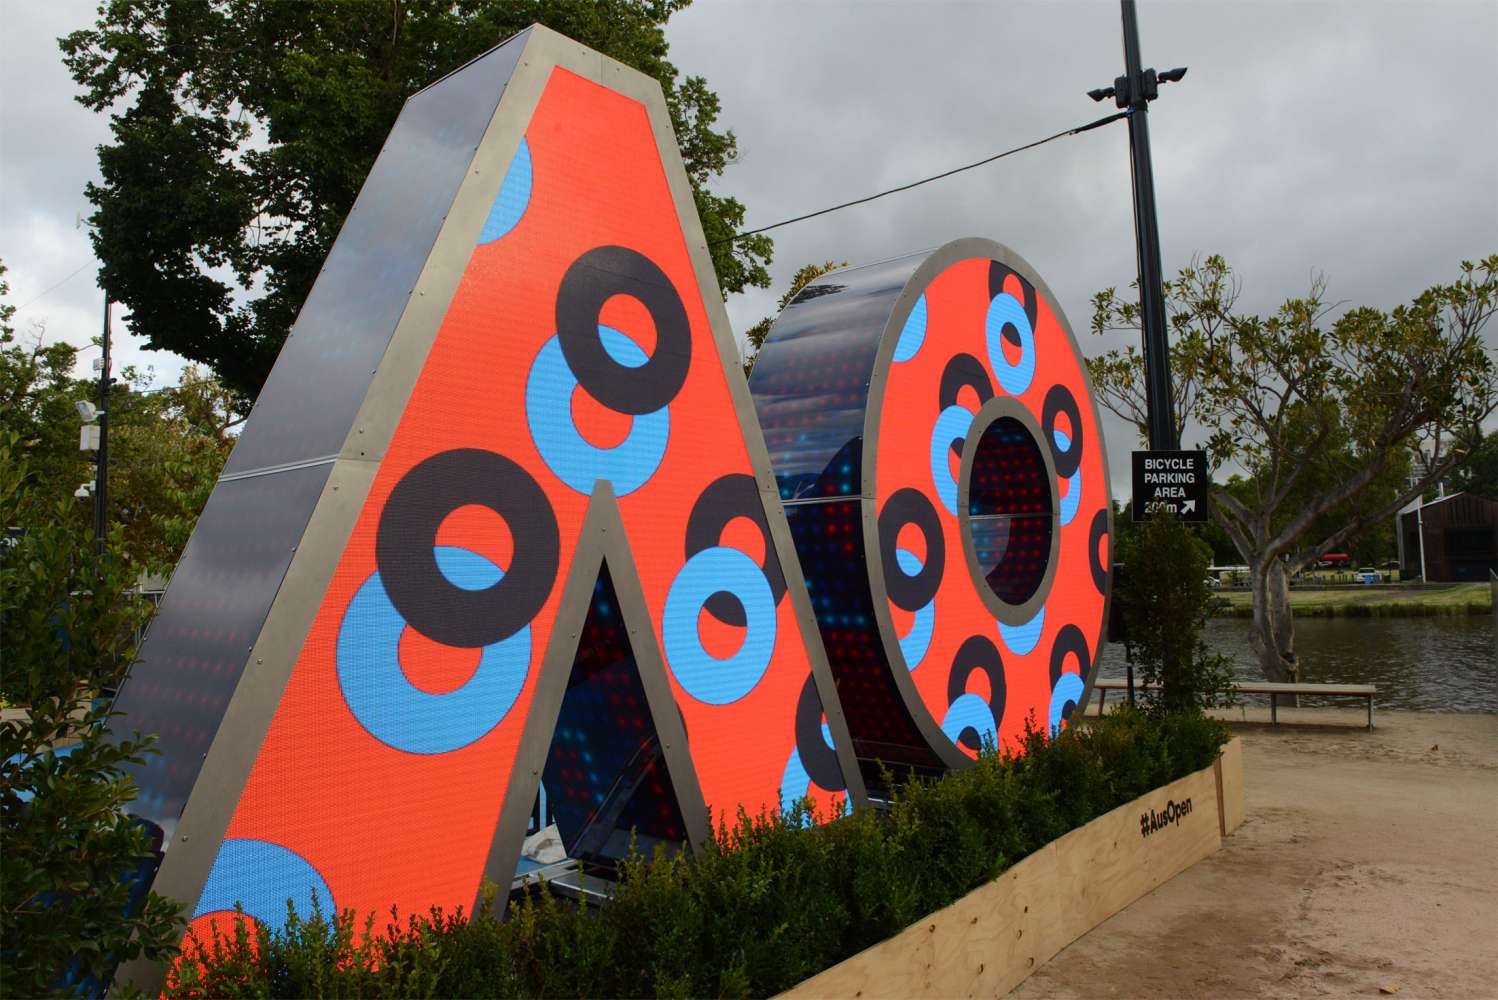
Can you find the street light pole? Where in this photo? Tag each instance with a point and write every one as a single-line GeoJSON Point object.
{"type": "Point", "coordinates": [1134, 90]}
{"type": "Point", "coordinates": [1158, 393]}
{"type": "Point", "coordinates": [101, 458]}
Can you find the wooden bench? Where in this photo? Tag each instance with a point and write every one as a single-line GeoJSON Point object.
{"type": "Point", "coordinates": [1105, 684]}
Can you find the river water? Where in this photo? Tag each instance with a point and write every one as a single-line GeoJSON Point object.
{"type": "Point", "coordinates": [1446, 664]}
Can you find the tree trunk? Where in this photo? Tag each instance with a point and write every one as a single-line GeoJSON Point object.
{"type": "Point", "coordinates": [1273, 636]}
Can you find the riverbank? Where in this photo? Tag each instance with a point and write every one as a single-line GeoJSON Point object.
{"type": "Point", "coordinates": [1375, 601]}
{"type": "Point", "coordinates": [1368, 862]}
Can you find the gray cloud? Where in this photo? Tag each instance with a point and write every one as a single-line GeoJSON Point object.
{"type": "Point", "coordinates": [47, 143]}
{"type": "Point", "coordinates": [1355, 137]}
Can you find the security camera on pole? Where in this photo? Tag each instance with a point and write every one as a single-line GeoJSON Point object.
{"type": "Point", "coordinates": [94, 436]}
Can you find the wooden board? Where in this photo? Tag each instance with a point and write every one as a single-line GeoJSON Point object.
{"type": "Point", "coordinates": [1230, 786]}
{"type": "Point", "coordinates": [1112, 861]}
{"type": "Point", "coordinates": [989, 941]}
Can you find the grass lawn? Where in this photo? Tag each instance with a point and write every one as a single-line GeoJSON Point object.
{"type": "Point", "coordinates": [1373, 600]}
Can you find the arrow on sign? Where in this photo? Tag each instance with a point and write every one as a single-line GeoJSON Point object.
{"type": "Point", "coordinates": [1188, 506]}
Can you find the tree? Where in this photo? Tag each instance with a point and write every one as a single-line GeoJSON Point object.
{"type": "Point", "coordinates": [166, 453]}
{"type": "Point", "coordinates": [72, 902]}
{"type": "Point", "coordinates": [754, 337]}
{"type": "Point", "coordinates": [37, 392]}
{"type": "Point", "coordinates": [247, 128]}
{"type": "Point", "coordinates": [1321, 416]}
{"type": "Point", "coordinates": [1477, 472]}
{"type": "Point", "coordinates": [1164, 604]}
{"type": "Point", "coordinates": [167, 445]}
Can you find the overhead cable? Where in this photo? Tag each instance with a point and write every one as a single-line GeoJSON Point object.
{"type": "Point", "coordinates": [927, 180]}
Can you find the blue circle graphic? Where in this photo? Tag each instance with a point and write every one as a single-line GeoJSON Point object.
{"type": "Point", "coordinates": [395, 711]}
{"type": "Point", "coordinates": [704, 676]}
{"type": "Point", "coordinates": [913, 333]}
{"type": "Point", "coordinates": [915, 643]}
{"type": "Point", "coordinates": [969, 711]}
{"type": "Point", "coordinates": [261, 877]}
{"type": "Point", "coordinates": [548, 412]}
{"type": "Point", "coordinates": [1022, 638]}
{"type": "Point", "coordinates": [951, 425]}
{"type": "Point", "coordinates": [795, 784]}
{"type": "Point", "coordinates": [1068, 689]}
{"type": "Point", "coordinates": [513, 199]}
{"type": "Point", "coordinates": [1006, 310]}
{"type": "Point", "coordinates": [1073, 498]}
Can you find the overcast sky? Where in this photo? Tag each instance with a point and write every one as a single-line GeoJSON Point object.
{"type": "Point", "coordinates": [1354, 138]}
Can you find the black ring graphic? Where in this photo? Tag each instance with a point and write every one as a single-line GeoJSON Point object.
{"type": "Point", "coordinates": [1069, 640]}
{"type": "Point", "coordinates": [819, 759]}
{"type": "Point", "coordinates": [1095, 534]}
{"type": "Point", "coordinates": [996, 274]}
{"type": "Point", "coordinates": [732, 496]}
{"type": "Point", "coordinates": [592, 280]}
{"type": "Point", "coordinates": [407, 533]}
{"type": "Point", "coordinates": [908, 506]}
{"type": "Point", "coordinates": [978, 653]}
{"type": "Point", "coordinates": [1059, 400]}
{"type": "Point", "coordinates": [963, 370]}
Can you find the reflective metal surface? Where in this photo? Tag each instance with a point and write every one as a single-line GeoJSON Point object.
{"type": "Point", "coordinates": [810, 391]}
{"type": "Point", "coordinates": [605, 765]}
{"type": "Point", "coordinates": [322, 375]}
{"type": "Point", "coordinates": [195, 650]}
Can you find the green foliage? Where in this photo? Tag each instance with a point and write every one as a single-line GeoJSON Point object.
{"type": "Point", "coordinates": [245, 128]}
{"type": "Point", "coordinates": [1224, 553]}
{"type": "Point", "coordinates": [66, 625]}
{"type": "Point", "coordinates": [1321, 415]}
{"type": "Point", "coordinates": [1165, 603]}
{"type": "Point", "coordinates": [1477, 472]}
{"type": "Point", "coordinates": [754, 337]}
{"type": "Point", "coordinates": [166, 445]}
{"type": "Point", "coordinates": [771, 902]}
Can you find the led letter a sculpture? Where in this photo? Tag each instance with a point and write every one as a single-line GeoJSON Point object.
{"type": "Point", "coordinates": [503, 518]}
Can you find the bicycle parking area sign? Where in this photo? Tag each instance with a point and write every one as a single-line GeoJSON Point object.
{"type": "Point", "coordinates": [1174, 481]}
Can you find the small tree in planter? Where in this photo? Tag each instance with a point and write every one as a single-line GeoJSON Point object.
{"type": "Point", "coordinates": [1165, 603]}
{"type": "Point", "coordinates": [71, 900]}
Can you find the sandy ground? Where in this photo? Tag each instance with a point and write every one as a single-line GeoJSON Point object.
{"type": "Point", "coordinates": [1367, 866]}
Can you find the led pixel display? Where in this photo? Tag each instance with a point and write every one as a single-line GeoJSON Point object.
{"type": "Point", "coordinates": [939, 456]}
{"type": "Point", "coordinates": [549, 545]}
{"type": "Point", "coordinates": [504, 514]}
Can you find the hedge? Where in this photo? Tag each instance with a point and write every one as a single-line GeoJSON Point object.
{"type": "Point", "coordinates": [772, 902]}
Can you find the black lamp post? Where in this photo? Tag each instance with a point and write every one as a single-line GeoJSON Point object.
{"type": "Point", "coordinates": [101, 457]}
{"type": "Point", "coordinates": [1134, 90]}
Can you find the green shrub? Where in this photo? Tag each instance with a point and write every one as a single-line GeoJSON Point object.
{"type": "Point", "coordinates": [1165, 603]}
{"type": "Point", "coordinates": [771, 902]}
{"type": "Point", "coordinates": [70, 906]}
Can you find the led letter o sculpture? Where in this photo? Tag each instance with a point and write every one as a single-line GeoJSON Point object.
{"type": "Point", "coordinates": [931, 425]}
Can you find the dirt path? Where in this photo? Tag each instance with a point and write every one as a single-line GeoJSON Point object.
{"type": "Point", "coordinates": [1368, 862]}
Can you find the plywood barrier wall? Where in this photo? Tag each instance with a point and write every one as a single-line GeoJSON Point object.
{"type": "Point", "coordinates": [1230, 786]}
{"type": "Point", "coordinates": [989, 941]}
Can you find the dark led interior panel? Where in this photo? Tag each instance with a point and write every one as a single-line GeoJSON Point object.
{"type": "Point", "coordinates": [829, 544]}
{"type": "Point", "coordinates": [310, 399]}
{"type": "Point", "coordinates": [1010, 510]}
{"type": "Point", "coordinates": [606, 767]}
{"type": "Point", "coordinates": [200, 639]}
{"type": "Point", "coordinates": [810, 390]}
